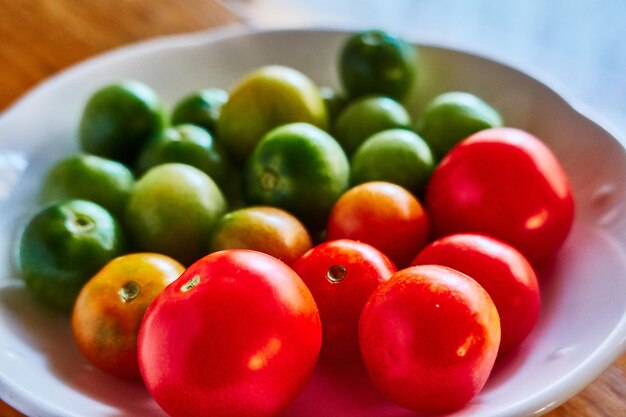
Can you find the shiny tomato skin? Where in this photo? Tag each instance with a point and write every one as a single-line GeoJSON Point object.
{"type": "Point", "coordinates": [429, 337]}
{"type": "Point", "coordinates": [506, 183]}
{"type": "Point", "coordinates": [262, 228]}
{"type": "Point", "coordinates": [109, 309]}
{"type": "Point", "coordinates": [383, 215]}
{"type": "Point", "coordinates": [238, 334]}
{"type": "Point", "coordinates": [502, 271]}
{"type": "Point", "coordinates": [341, 275]}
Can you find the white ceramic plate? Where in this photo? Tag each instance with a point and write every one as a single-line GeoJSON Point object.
{"type": "Point", "coordinates": [582, 328]}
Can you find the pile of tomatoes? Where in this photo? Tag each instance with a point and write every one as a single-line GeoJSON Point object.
{"type": "Point", "coordinates": [284, 226]}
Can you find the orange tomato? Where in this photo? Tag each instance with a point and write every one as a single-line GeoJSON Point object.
{"type": "Point", "coordinates": [384, 215]}
{"type": "Point", "coordinates": [262, 228]}
{"type": "Point", "coordinates": [110, 307]}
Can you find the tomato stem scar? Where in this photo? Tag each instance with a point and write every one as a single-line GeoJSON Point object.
{"type": "Point", "coordinates": [190, 284]}
{"type": "Point", "coordinates": [80, 223]}
{"type": "Point", "coordinates": [268, 179]}
{"type": "Point", "coordinates": [336, 273]}
{"type": "Point", "coordinates": [129, 291]}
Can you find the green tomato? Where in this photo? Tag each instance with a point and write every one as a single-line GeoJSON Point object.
{"type": "Point", "coordinates": [89, 177]}
{"type": "Point", "coordinates": [119, 119]}
{"type": "Point", "coordinates": [63, 245]}
{"type": "Point", "coordinates": [172, 210]}
{"type": "Point", "coordinates": [187, 144]}
{"type": "Point", "coordinates": [268, 97]}
{"type": "Point", "coordinates": [300, 168]}
{"type": "Point", "coordinates": [376, 62]}
{"type": "Point", "coordinates": [366, 116]}
{"type": "Point", "coordinates": [398, 156]}
{"type": "Point", "coordinates": [201, 108]}
{"type": "Point", "coordinates": [451, 117]}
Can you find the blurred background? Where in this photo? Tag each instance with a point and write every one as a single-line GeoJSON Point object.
{"type": "Point", "coordinates": [579, 46]}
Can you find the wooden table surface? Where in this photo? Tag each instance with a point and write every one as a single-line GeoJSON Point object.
{"type": "Point", "coordinates": [41, 38]}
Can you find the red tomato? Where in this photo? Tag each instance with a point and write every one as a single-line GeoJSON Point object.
{"type": "Point", "coordinates": [429, 338]}
{"type": "Point", "coordinates": [501, 270]}
{"type": "Point", "coordinates": [506, 183]}
{"type": "Point", "coordinates": [384, 215]}
{"type": "Point", "coordinates": [238, 334]}
{"type": "Point", "coordinates": [341, 275]}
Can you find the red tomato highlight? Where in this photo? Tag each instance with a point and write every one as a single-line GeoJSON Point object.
{"type": "Point", "coordinates": [502, 271]}
{"type": "Point", "coordinates": [342, 274]}
{"type": "Point", "coordinates": [429, 338]}
{"type": "Point", "coordinates": [506, 183]}
{"type": "Point", "coordinates": [238, 334]}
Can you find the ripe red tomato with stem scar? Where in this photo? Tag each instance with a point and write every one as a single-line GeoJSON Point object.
{"type": "Point", "coordinates": [341, 275]}
{"type": "Point", "coordinates": [238, 334]}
